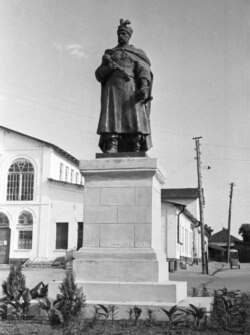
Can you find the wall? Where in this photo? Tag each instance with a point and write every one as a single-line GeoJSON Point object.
{"type": "Point", "coordinates": [66, 205]}
{"type": "Point", "coordinates": [184, 247]}
{"type": "Point", "coordinates": [55, 160]}
{"type": "Point", "coordinates": [169, 221]}
{"type": "Point", "coordinates": [50, 203]}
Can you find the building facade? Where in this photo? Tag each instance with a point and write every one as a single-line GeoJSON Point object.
{"type": "Point", "coordinates": [218, 247]}
{"type": "Point", "coordinates": [41, 198]}
{"type": "Point", "coordinates": [181, 229]}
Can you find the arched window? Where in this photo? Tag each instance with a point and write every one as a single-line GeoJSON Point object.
{"type": "Point", "coordinates": [25, 228]}
{"type": "Point", "coordinates": [25, 219]}
{"type": "Point", "coordinates": [4, 221]}
{"type": "Point", "coordinates": [20, 181]}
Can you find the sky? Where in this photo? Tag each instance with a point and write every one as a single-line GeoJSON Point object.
{"type": "Point", "coordinates": [200, 56]}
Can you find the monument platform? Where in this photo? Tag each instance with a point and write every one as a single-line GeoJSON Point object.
{"type": "Point", "coordinates": [122, 259]}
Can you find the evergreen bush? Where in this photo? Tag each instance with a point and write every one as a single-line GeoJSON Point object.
{"type": "Point", "coordinates": [14, 284]}
{"type": "Point", "coordinates": [69, 302]}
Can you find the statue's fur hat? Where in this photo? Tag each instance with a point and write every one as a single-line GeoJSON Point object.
{"type": "Point", "coordinates": [124, 27]}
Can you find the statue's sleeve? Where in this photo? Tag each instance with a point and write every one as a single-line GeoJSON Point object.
{"type": "Point", "coordinates": [102, 72]}
{"type": "Point", "coordinates": [142, 72]}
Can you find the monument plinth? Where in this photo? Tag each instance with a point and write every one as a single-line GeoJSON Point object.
{"type": "Point", "coordinates": [122, 257]}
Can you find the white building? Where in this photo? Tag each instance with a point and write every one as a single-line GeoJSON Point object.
{"type": "Point", "coordinates": [181, 232]}
{"type": "Point", "coordinates": [41, 198]}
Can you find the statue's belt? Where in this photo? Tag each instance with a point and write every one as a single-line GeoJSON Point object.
{"type": "Point", "coordinates": [123, 71]}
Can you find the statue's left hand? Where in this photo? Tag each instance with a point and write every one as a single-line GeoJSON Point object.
{"type": "Point", "coordinates": [142, 94]}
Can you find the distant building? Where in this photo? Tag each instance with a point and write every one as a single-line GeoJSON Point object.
{"type": "Point", "coordinates": [41, 198]}
{"type": "Point", "coordinates": [181, 232]}
{"type": "Point", "coordinates": [221, 239]}
{"type": "Point", "coordinates": [218, 246]}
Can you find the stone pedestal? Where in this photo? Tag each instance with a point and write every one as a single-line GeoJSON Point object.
{"type": "Point", "coordinates": [122, 259]}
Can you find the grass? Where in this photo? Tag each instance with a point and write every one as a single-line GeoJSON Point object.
{"type": "Point", "coordinates": [100, 327]}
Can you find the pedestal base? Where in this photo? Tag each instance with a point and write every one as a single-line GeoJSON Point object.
{"type": "Point", "coordinates": [122, 259]}
{"type": "Point", "coordinates": [120, 264]}
{"type": "Point", "coordinates": [143, 293]}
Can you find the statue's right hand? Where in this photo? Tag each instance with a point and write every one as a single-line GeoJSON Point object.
{"type": "Point", "coordinates": [113, 66]}
{"type": "Point", "coordinates": [106, 58]}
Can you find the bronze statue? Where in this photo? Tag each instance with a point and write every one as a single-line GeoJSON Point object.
{"type": "Point", "coordinates": [126, 81]}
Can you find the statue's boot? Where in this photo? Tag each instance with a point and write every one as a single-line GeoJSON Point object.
{"type": "Point", "coordinates": [136, 143]}
{"type": "Point", "coordinates": [112, 145]}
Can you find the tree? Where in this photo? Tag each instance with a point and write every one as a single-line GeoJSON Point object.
{"type": "Point", "coordinates": [209, 230]}
{"type": "Point", "coordinates": [244, 231]}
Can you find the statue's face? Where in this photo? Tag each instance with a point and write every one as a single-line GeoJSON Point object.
{"type": "Point", "coordinates": [123, 37]}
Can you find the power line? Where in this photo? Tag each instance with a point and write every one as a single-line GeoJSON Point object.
{"type": "Point", "coordinates": [231, 159]}
{"type": "Point", "coordinates": [41, 93]}
{"type": "Point", "coordinates": [226, 146]}
{"type": "Point", "coordinates": [50, 107]}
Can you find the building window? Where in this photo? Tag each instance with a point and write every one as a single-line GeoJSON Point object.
{"type": "Point", "coordinates": [25, 239]}
{"type": "Point", "coordinates": [62, 235]}
{"type": "Point", "coordinates": [61, 172]}
{"type": "Point", "coordinates": [77, 177]}
{"type": "Point", "coordinates": [66, 173]}
{"type": "Point", "coordinates": [25, 219]}
{"type": "Point", "coordinates": [25, 233]}
{"type": "Point", "coordinates": [79, 235]}
{"type": "Point", "coordinates": [4, 221]}
{"type": "Point", "coordinates": [71, 176]}
{"type": "Point", "coordinates": [20, 184]}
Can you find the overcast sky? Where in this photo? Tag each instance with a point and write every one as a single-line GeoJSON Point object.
{"type": "Point", "coordinates": [200, 55]}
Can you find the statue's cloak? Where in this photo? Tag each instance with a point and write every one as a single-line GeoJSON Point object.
{"type": "Point", "coordinates": [121, 112]}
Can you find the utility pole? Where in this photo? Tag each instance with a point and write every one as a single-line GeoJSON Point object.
{"type": "Point", "coordinates": [201, 203]}
{"type": "Point", "coordinates": [229, 221]}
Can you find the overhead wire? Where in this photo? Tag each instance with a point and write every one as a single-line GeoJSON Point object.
{"type": "Point", "coordinates": [81, 114]}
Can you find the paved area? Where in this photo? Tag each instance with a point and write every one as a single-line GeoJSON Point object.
{"type": "Point", "coordinates": [220, 275]}
{"type": "Point", "coordinates": [35, 275]}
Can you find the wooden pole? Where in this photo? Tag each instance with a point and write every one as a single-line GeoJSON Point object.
{"type": "Point", "coordinates": [201, 203]}
{"type": "Point", "coordinates": [229, 222]}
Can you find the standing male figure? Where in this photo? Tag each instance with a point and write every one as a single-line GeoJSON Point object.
{"type": "Point", "coordinates": [126, 81]}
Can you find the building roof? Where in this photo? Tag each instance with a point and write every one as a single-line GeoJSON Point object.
{"type": "Point", "coordinates": [215, 246]}
{"type": "Point", "coordinates": [222, 237]}
{"type": "Point", "coordinates": [61, 182]}
{"type": "Point", "coordinates": [179, 193]}
{"type": "Point", "coordinates": [56, 148]}
{"type": "Point", "coordinates": [191, 218]}
{"type": "Point", "coordinates": [186, 212]}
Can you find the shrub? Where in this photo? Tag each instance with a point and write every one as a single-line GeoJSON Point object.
{"type": "Point", "coordinates": [14, 284]}
{"type": "Point", "coordinates": [15, 294]}
{"type": "Point", "coordinates": [106, 312]}
{"type": "Point", "coordinates": [231, 310]}
{"type": "Point", "coordinates": [195, 292]}
{"type": "Point", "coordinates": [68, 304]}
{"type": "Point", "coordinates": [134, 314]}
{"type": "Point", "coordinates": [197, 313]}
{"type": "Point", "coordinates": [172, 314]}
{"type": "Point", "coordinates": [204, 291]}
